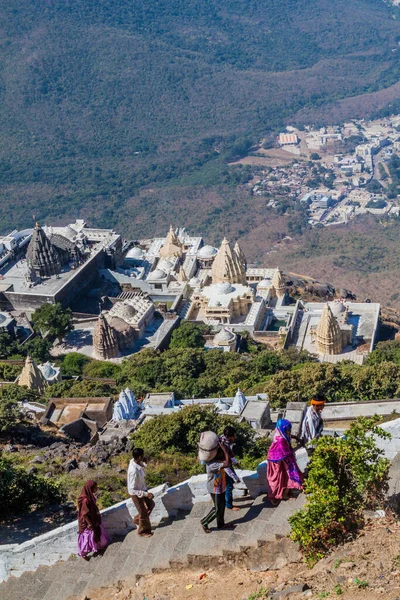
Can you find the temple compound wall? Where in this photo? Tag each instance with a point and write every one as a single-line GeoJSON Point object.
{"type": "Point", "coordinates": [76, 285]}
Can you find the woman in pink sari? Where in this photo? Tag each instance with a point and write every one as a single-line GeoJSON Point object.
{"type": "Point", "coordinates": [283, 474]}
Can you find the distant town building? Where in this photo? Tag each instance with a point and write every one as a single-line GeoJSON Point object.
{"type": "Point", "coordinates": [288, 139]}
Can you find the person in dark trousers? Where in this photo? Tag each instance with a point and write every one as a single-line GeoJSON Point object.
{"type": "Point", "coordinates": [216, 486]}
{"type": "Point", "coordinates": [137, 489]}
{"type": "Point", "coordinates": [228, 439]}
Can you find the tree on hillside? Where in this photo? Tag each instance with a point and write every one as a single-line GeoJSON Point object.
{"type": "Point", "coordinates": [10, 395]}
{"type": "Point", "coordinates": [52, 320]}
{"type": "Point", "coordinates": [180, 432]}
{"type": "Point", "coordinates": [20, 490]}
{"type": "Point", "coordinates": [73, 363]}
{"type": "Point", "coordinates": [188, 335]}
{"type": "Point", "coordinates": [8, 346]}
{"type": "Point", "coordinates": [38, 348]}
{"type": "Point", "coordinates": [346, 476]}
{"type": "Point", "coordinates": [384, 352]}
{"type": "Point", "coordinates": [336, 382]}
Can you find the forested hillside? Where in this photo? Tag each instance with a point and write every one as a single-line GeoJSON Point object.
{"type": "Point", "coordinates": [102, 99]}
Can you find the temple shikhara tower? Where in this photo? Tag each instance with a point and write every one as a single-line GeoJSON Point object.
{"type": "Point", "coordinates": [32, 377]}
{"type": "Point", "coordinates": [104, 339]}
{"type": "Point", "coordinates": [228, 266]}
{"type": "Point", "coordinates": [41, 255]}
{"type": "Point", "coordinates": [278, 284]}
{"type": "Point", "coordinates": [328, 333]}
{"type": "Point", "coordinates": [172, 247]}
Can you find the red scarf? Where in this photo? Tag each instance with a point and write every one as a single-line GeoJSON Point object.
{"type": "Point", "coordinates": [87, 508]}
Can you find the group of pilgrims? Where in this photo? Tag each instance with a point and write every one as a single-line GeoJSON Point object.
{"type": "Point", "coordinates": [284, 479]}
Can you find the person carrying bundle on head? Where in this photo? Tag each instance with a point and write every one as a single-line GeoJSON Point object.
{"type": "Point", "coordinates": [216, 459]}
{"type": "Point", "coordinates": [228, 439]}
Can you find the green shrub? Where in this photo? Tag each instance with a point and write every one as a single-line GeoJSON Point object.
{"type": "Point", "coordinates": [10, 395]}
{"type": "Point", "coordinates": [180, 432]}
{"type": "Point", "coordinates": [171, 469]}
{"type": "Point", "coordinates": [346, 476]}
{"type": "Point", "coordinates": [21, 491]}
{"type": "Point", "coordinates": [9, 372]}
{"type": "Point", "coordinates": [101, 369]}
{"type": "Point", "coordinates": [74, 363]}
{"type": "Point", "coordinates": [188, 335]}
{"type": "Point", "coordinates": [38, 348]}
{"type": "Point", "coordinates": [337, 382]}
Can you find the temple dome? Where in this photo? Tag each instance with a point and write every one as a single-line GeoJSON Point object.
{"type": "Point", "coordinates": [222, 406]}
{"type": "Point", "coordinates": [105, 340]}
{"type": "Point", "coordinates": [126, 310]}
{"type": "Point", "coordinates": [278, 283]}
{"type": "Point", "coordinates": [222, 288]}
{"type": "Point", "coordinates": [337, 308]}
{"type": "Point", "coordinates": [226, 266]}
{"type": "Point", "coordinates": [328, 334]}
{"type": "Point", "coordinates": [48, 370]}
{"type": "Point", "coordinates": [207, 252]}
{"type": "Point", "coordinates": [136, 253]}
{"type": "Point", "coordinates": [172, 246]}
{"type": "Point", "coordinates": [239, 402]}
{"type": "Point", "coordinates": [41, 255]}
{"type": "Point", "coordinates": [165, 265]}
{"type": "Point", "coordinates": [32, 377]}
{"type": "Point", "coordinates": [264, 283]}
{"type": "Point", "coordinates": [157, 274]}
{"type": "Point", "coordinates": [225, 336]}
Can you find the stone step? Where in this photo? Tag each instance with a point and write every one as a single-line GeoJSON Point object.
{"type": "Point", "coordinates": [175, 543]}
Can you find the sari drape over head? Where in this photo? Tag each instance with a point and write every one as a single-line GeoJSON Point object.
{"type": "Point", "coordinates": [283, 472]}
{"type": "Point", "coordinates": [87, 508]}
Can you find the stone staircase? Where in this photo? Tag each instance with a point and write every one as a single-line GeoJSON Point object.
{"type": "Point", "coordinates": [184, 309]}
{"type": "Point", "coordinates": [177, 542]}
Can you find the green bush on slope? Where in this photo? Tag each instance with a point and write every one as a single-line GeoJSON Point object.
{"type": "Point", "coordinates": [346, 476]}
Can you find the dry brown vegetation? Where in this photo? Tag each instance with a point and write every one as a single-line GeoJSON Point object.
{"type": "Point", "coordinates": [362, 256]}
{"type": "Point", "coordinates": [101, 102]}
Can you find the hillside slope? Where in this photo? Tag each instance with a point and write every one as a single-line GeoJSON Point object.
{"type": "Point", "coordinates": [102, 98]}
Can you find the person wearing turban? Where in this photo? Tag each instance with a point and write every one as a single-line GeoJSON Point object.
{"type": "Point", "coordinates": [312, 425]}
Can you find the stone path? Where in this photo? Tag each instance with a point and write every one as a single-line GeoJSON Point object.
{"type": "Point", "coordinates": [176, 542]}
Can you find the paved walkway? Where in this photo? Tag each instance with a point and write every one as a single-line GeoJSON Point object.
{"type": "Point", "coordinates": [175, 543]}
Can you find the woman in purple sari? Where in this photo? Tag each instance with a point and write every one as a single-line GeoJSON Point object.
{"type": "Point", "coordinates": [283, 473]}
{"type": "Point", "coordinates": [92, 536]}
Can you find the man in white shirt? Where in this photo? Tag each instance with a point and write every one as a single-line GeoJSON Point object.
{"type": "Point", "coordinates": [137, 489]}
